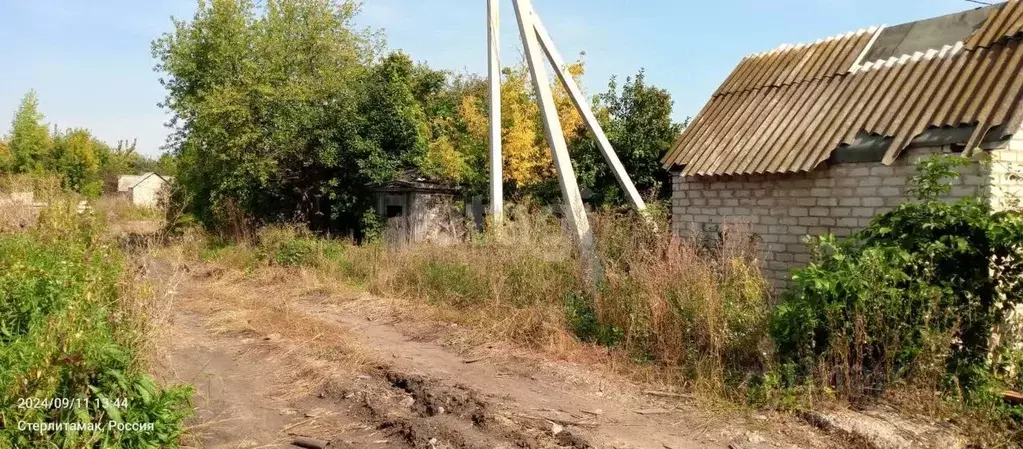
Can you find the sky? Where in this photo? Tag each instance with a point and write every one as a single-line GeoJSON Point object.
{"type": "Point", "coordinates": [91, 64]}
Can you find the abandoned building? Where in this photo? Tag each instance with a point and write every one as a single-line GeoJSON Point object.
{"type": "Point", "coordinates": [419, 210]}
{"type": "Point", "coordinates": [819, 138]}
{"type": "Point", "coordinates": [147, 189]}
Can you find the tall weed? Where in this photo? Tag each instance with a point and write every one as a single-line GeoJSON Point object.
{"type": "Point", "coordinates": [64, 336]}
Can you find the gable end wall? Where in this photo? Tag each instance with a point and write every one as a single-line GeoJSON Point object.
{"type": "Point", "coordinates": [147, 193]}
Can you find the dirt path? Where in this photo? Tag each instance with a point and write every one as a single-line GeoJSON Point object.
{"type": "Point", "coordinates": [272, 360]}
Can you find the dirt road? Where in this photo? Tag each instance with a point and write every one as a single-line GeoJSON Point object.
{"type": "Point", "coordinates": [275, 358]}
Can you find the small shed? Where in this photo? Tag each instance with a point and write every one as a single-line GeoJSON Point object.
{"type": "Point", "coordinates": [147, 189]}
{"type": "Point", "coordinates": [819, 138]}
{"type": "Point", "coordinates": [419, 210]}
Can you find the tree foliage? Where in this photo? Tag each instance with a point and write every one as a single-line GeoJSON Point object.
{"type": "Point", "coordinates": [458, 145]}
{"type": "Point", "coordinates": [527, 155]}
{"type": "Point", "coordinates": [30, 137]}
{"type": "Point", "coordinates": [76, 157]}
{"type": "Point", "coordinates": [6, 158]}
{"type": "Point", "coordinates": [637, 121]}
{"type": "Point", "coordinates": [284, 111]}
{"type": "Point", "coordinates": [82, 162]}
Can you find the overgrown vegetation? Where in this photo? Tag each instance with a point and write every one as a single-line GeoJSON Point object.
{"type": "Point", "coordinates": [918, 292]}
{"type": "Point", "coordinates": [698, 315]}
{"type": "Point", "coordinates": [284, 112]}
{"type": "Point", "coordinates": [70, 331]}
{"type": "Point", "coordinates": [924, 298]}
{"type": "Point", "coordinates": [916, 304]}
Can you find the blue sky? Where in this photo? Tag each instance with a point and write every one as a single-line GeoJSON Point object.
{"type": "Point", "coordinates": [90, 60]}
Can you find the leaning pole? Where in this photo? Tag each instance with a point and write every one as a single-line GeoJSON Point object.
{"type": "Point", "coordinates": [572, 201]}
{"type": "Point", "coordinates": [537, 44]}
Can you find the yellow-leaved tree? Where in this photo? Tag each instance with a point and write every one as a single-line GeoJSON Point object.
{"type": "Point", "coordinates": [571, 119]}
{"type": "Point", "coordinates": [6, 158]}
{"type": "Point", "coordinates": [527, 156]}
{"type": "Point", "coordinates": [443, 159]}
{"type": "Point", "coordinates": [526, 159]}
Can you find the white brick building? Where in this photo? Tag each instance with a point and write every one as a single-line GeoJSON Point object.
{"type": "Point", "coordinates": [820, 138]}
{"type": "Point", "coordinates": [147, 189]}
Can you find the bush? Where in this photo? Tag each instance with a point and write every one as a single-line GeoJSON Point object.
{"type": "Point", "coordinates": [290, 252]}
{"type": "Point", "coordinates": [914, 296]}
{"type": "Point", "coordinates": [62, 337]}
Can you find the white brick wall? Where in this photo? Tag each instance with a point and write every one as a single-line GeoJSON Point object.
{"type": "Point", "coordinates": [1006, 175]}
{"type": "Point", "coordinates": [842, 199]}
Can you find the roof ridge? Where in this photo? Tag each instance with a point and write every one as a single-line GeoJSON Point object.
{"type": "Point", "coordinates": [788, 47]}
{"type": "Point", "coordinates": [946, 51]}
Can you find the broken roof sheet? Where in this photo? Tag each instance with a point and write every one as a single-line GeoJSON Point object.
{"type": "Point", "coordinates": [787, 110]}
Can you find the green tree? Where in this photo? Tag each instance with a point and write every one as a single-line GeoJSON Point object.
{"type": "Point", "coordinates": [280, 113]}
{"type": "Point", "coordinates": [166, 165]}
{"type": "Point", "coordinates": [395, 114]}
{"type": "Point", "coordinates": [458, 151]}
{"type": "Point", "coordinates": [637, 121]}
{"type": "Point", "coordinates": [76, 160]}
{"type": "Point", "coordinates": [30, 138]}
{"type": "Point", "coordinates": [120, 160]}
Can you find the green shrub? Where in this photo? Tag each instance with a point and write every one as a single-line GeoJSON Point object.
{"type": "Point", "coordinates": [918, 293]}
{"type": "Point", "coordinates": [60, 329]}
{"type": "Point", "coordinates": [586, 323]}
{"type": "Point", "coordinates": [287, 247]}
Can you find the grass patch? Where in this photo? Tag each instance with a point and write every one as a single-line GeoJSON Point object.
{"type": "Point", "coordinates": [68, 333]}
{"type": "Point", "coordinates": [119, 209]}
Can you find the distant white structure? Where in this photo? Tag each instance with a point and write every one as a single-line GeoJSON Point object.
{"type": "Point", "coordinates": [144, 190]}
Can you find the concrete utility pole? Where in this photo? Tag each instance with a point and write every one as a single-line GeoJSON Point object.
{"type": "Point", "coordinates": [537, 43]}
{"type": "Point", "coordinates": [572, 201]}
{"type": "Point", "coordinates": [494, 66]}
{"type": "Point", "coordinates": [591, 120]}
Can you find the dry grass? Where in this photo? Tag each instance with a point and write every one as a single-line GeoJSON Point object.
{"type": "Point", "coordinates": [703, 312]}
{"type": "Point", "coordinates": [310, 351]}
{"type": "Point", "coordinates": [258, 308]}
{"type": "Point", "coordinates": [121, 209]}
{"type": "Point", "coordinates": [15, 217]}
{"type": "Point", "coordinates": [667, 309]}
{"type": "Point", "coordinates": [44, 187]}
{"type": "Point", "coordinates": [18, 214]}
{"type": "Point", "coordinates": [670, 311]}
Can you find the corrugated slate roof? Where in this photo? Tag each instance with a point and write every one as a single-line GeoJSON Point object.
{"type": "Point", "coordinates": [1003, 24]}
{"type": "Point", "coordinates": [789, 109]}
{"type": "Point", "coordinates": [794, 64]}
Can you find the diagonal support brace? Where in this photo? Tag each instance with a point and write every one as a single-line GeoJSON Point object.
{"type": "Point", "coordinates": [587, 112]}
{"type": "Point", "coordinates": [572, 201]}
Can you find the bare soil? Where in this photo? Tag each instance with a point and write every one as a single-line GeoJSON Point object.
{"type": "Point", "coordinates": [274, 358]}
